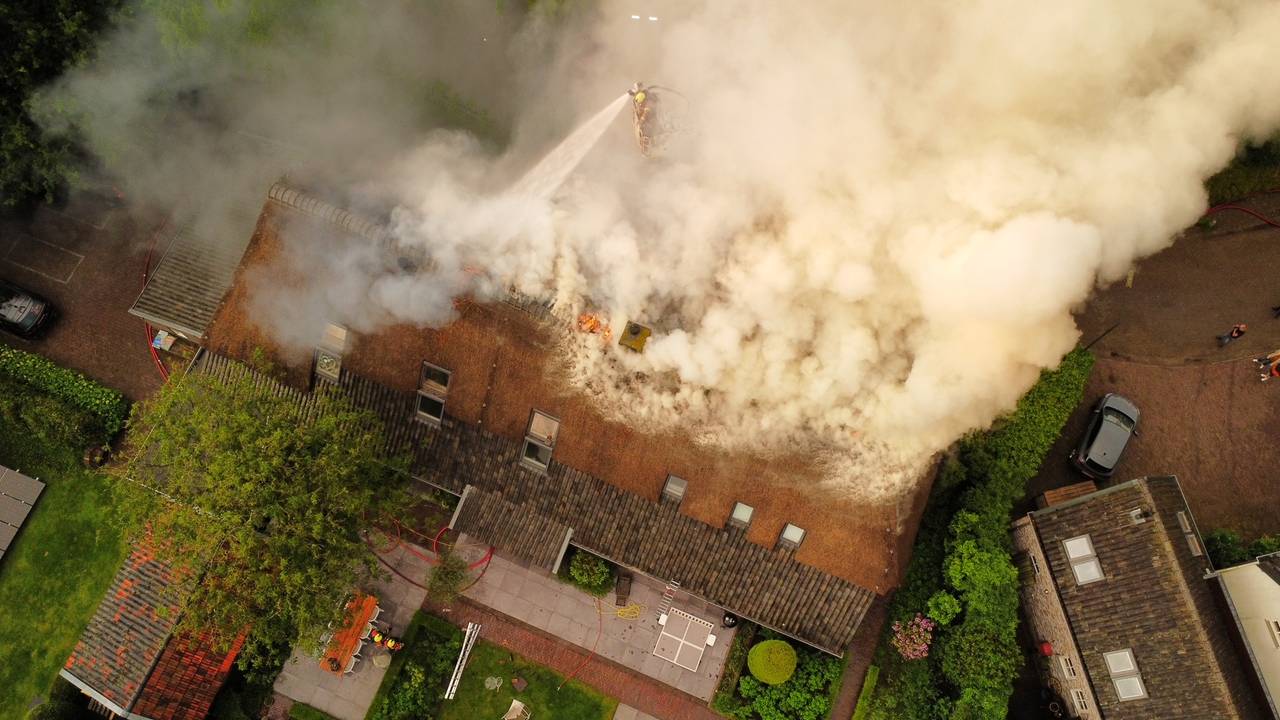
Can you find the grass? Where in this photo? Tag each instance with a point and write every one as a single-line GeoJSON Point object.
{"type": "Point", "coordinates": [410, 636]}
{"type": "Point", "coordinates": [863, 708]}
{"type": "Point", "coordinates": [58, 569]}
{"type": "Point", "coordinates": [575, 702]}
{"type": "Point", "coordinates": [306, 712]}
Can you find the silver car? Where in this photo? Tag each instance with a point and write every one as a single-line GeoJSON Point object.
{"type": "Point", "coordinates": [1114, 421]}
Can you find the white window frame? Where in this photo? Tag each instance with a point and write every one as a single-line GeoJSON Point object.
{"type": "Point", "coordinates": [1068, 667]}
{"type": "Point", "coordinates": [1273, 626]}
{"type": "Point", "coordinates": [1083, 560]}
{"type": "Point", "coordinates": [1080, 700]}
{"type": "Point", "coordinates": [674, 489]}
{"type": "Point", "coordinates": [786, 542]}
{"type": "Point", "coordinates": [535, 443]}
{"type": "Point", "coordinates": [1183, 522]}
{"type": "Point", "coordinates": [737, 522]}
{"type": "Point", "coordinates": [432, 391]}
{"type": "Point", "coordinates": [1126, 673]}
{"type": "Point", "coordinates": [1035, 563]}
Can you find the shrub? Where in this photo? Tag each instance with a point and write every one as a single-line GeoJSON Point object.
{"type": "Point", "coordinates": [107, 405]}
{"type": "Point", "coordinates": [943, 607]}
{"type": "Point", "coordinates": [429, 659]}
{"type": "Point", "coordinates": [590, 573]}
{"type": "Point", "coordinates": [1225, 548]}
{"type": "Point", "coordinates": [772, 662]}
{"type": "Point", "coordinates": [803, 697]}
{"type": "Point", "coordinates": [726, 701]}
{"type": "Point", "coordinates": [1264, 545]}
{"type": "Point", "coordinates": [912, 638]}
{"type": "Point", "coordinates": [448, 578]}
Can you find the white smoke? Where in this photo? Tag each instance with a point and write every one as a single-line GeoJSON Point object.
{"type": "Point", "coordinates": [868, 238]}
{"type": "Point", "coordinates": [875, 233]}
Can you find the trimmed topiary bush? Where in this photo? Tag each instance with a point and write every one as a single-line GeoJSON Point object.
{"type": "Point", "coordinates": [772, 662]}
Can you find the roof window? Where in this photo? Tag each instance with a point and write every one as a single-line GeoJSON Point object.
{"type": "Point", "coordinates": [741, 515]}
{"type": "Point", "coordinates": [539, 440]}
{"type": "Point", "coordinates": [791, 537]}
{"type": "Point", "coordinates": [1084, 562]}
{"type": "Point", "coordinates": [673, 490]}
{"type": "Point", "coordinates": [327, 361]}
{"type": "Point", "coordinates": [433, 389]}
{"type": "Point", "coordinates": [1124, 675]}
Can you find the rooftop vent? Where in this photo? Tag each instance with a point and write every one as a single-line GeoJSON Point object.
{"type": "Point", "coordinates": [1139, 515]}
{"type": "Point", "coordinates": [634, 336]}
{"type": "Point", "coordinates": [328, 357]}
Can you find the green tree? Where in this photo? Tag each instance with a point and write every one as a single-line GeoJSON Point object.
{"type": "Point", "coordinates": [40, 41]}
{"type": "Point", "coordinates": [1225, 548]}
{"type": "Point", "coordinates": [265, 501]}
{"type": "Point", "coordinates": [449, 577]}
{"type": "Point", "coordinates": [1264, 545]}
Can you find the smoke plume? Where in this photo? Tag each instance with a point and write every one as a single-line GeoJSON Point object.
{"type": "Point", "coordinates": [868, 232]}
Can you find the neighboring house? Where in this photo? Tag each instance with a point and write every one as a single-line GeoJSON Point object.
{"type": "Point", "coordinates": [483, 412]}
{"type": "Point", "coordinates": [1117, 593]}
{"type": "Point", "coordinates": [130, 663]}
{"type": "Point", "coordinates": [1252, 594]}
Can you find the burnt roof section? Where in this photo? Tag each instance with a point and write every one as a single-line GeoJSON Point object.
{"type": "Point", "coordinates": [720, 564]}
{"type": "Point", "coordinates": [187, 286]}
{"type": "Point", "coordinates": [505, 359]}
{"type": "Point", "coordinates": [128, 659]}
{"type": "Point", "coordinates": [1154, 600]}
{"type": "Point", "coordinates": [515, 529]}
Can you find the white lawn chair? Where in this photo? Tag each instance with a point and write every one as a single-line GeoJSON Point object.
{"type": "Point", "coordinates": [517, 711]}
{"type": "Point", "coordinates": [351, 665]}
{"type": "Point", "coordinates": [368, 630]}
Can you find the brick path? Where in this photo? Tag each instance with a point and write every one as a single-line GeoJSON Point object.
{"type": "Point", "coordinates": [861, 653]}
{"type": "Point", "coordinates": [630, 688]}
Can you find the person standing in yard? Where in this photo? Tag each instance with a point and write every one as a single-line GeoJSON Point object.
{"type": "Point", "coordinates": [1235, 332]}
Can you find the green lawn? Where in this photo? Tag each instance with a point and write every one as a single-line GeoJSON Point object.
{"type": "Point", "coordinates": [58, 568]}
{"type": "Point", "coordinates": [575, 702]}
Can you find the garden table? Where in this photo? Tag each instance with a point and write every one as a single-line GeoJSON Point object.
{"type": "Point", "coordinates": [346, 641]}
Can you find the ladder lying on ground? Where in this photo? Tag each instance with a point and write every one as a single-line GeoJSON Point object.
{"type": "Point", "coordinates": [468, 640]}
{"type": "Point", "coordinates": [668, 596]}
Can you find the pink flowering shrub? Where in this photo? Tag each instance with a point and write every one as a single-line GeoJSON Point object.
{"type": "Point", "coordinates": [912, 639]}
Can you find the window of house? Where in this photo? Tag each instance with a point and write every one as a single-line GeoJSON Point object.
{"type": "Point", "coordinates": [539, 440]}
{"type": "Point", "coordinates": [1080, 699]}
{"type": "Point", "coordinates": [741, 515]}
{"type": "Point", "coordinates": [1068, 666]}
{"type": "Point", "coordinates": [433, 389]}
{"type": "Point", "coordinates": [673, 491]}
{"type": "Point", "coordinates": [791, 537]}
{"type": "Point", "coordinates": [1124, 675]}
{"type": "Point", "coordinates": [1183, 522]}
{"type": "Point", "coordinates": [1194, 545]}
{"type": "Point", "coordinates": [1274, 627]}
{"type": "Point", "coordinates": [1035, 563]}
{"type": "Point", "coordinates": [1084, 562]}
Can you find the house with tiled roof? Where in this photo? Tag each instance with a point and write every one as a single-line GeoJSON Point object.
{"type": "Point", "coordinates": [483, 410]}
{"type": "Point", "coordinates": [130, 662]}
{"type": "Point", "coordinates": [1127, 613]}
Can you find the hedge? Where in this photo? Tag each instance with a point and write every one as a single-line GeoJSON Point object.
{"type": "Point", "coordinates": [963, 550]}
{"type": "Point", "coordinates": [108, 405]}
{"type": "Point", "coordinates": [863, 708]}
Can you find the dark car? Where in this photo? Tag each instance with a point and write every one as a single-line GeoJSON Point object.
{"type": "Point", "coordinates": [1114, 421]}
{"type": "Point", "coordinates": [22, 312]}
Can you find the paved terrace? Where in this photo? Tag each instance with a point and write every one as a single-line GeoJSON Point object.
{"type": "Point", "coordinates": [349, 697]}
{"type": "Point", "coordinates": [560, 609]}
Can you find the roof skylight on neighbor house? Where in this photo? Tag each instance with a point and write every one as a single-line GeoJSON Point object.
{"type": "Point", "coordinates": [673, 490]}
{"type": "Point", "coordinates": [433, 390]}
{"type": "Point", "coordinates": [741, 515]}
{"type": "Point", "coordinates": [1124, 675]}
{"type": "Point", "coordinates": [1084, 562]}
{"type": "Point", "coordinates": [791, 537]}
{"type": "Point", "coordinates": [539, 440]}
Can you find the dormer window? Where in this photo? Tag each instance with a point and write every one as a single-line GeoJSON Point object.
{"type": "Point", "coordinates": [741, 515]}
{"type": "Point", "coordinates": [1084, 562]}
{"type": "Point", "coordinates": [539, 441]}
{"type": "Point", "coordinates": [673, 490]}
{"type": "Point", "coordinates": [791, 537]}
{"type": "Point", "coordinates": [433, 389]}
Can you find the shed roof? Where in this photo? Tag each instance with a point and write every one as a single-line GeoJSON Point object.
{"type": "Point", "coordinates": [187, 286]}
{"type": "Point", "coordinates": [1153, 600]}
{"type": "Point", "coordinates": [128, 659]}
{"type": "Point", "coordinates": [512, 528]}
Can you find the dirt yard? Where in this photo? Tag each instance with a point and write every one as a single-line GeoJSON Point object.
{"type": "Point", "coordinates": [1206, 417]}
{"type": "Point", "coordinates": [87, 258]}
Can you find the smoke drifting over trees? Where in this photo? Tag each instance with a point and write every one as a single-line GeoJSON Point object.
{"type": "Point", "coordinates": [867, 239]}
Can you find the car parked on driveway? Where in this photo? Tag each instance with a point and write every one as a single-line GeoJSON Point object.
{"type": "Point", "coordinates": [23, 312]}
{"type": "Point", "coordinates": [1114, 421]}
